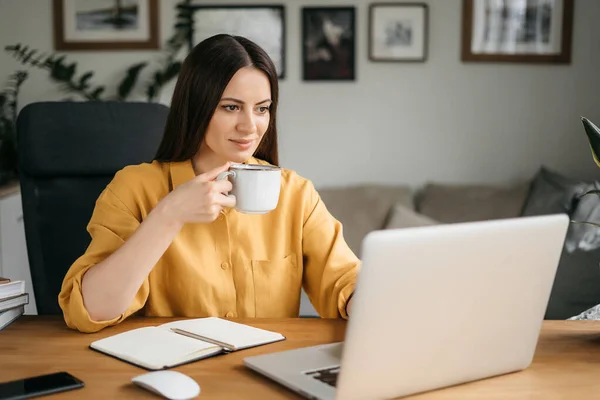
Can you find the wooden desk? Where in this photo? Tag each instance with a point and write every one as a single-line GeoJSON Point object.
{"type": "Point", "coordinates": [566, 365]}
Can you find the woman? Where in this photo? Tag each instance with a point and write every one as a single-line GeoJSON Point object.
{"type": "Point", "coordinates": [167, 242]}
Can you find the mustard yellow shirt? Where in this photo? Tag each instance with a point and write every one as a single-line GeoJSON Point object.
{"type": "Point", "coordinates": [240, 265]}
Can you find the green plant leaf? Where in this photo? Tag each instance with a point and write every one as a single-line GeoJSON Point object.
{"type": "Point", "coordinates": [12, 48]}
{"type": "Point", "coordinates": [127, 84]}
{"type": "Point", "coordinates": [57, 71]}
{"type": "Point", "coordinates": [593, 135]}
{"type": "Point", "coordinates": [172, 71]}
{"type": "Point", "coordinates": [23, 50]}
{"type": "Point", "coordinates": [97, 92]}
{"type": "Point", "coordinates": [151, 92]}
{"type": "Point", "coordinates": [28, 56]}
{"type": "Point", "coordinates": [70, 71]}
{"type": "Point", "coordinates": [83, 80]}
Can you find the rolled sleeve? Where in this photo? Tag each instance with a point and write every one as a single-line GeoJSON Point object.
{"type": "Point", "coordinates": [111, 224]}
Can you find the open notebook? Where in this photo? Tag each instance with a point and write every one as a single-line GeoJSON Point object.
{"type": "Point", "coordinates": [180, 342]}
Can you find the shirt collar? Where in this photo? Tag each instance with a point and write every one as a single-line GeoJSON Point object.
{"type": "Point", "coordinates": [181, 172]}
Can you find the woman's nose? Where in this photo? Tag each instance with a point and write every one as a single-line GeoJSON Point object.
{"type": "Point", "coordinates": [246, 123]}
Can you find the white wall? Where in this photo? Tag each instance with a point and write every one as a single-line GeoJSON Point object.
{"type": "Point", "coordinates": [402, 123]}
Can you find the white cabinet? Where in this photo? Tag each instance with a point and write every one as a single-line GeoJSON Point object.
{"type": "Point", "coordinates": [14, 263]}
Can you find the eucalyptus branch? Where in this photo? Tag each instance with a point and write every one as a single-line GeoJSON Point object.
{"type": "Point", "coordinates": [8, 116]}
{"type": "Point", "coordinates": [63, 74]}
{"type": "Point", "coordinates": [11, 93]}
{"type": "Point", "coordinates": [170, 67]}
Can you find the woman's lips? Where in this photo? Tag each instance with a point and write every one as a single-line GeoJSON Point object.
{"type": "Point", "coordinates": [242, 144]}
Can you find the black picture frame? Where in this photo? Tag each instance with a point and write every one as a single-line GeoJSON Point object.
{"type": "Point", "coordinates": [268, 18]}
{"type": "Point", "coordinates": [325, 56]}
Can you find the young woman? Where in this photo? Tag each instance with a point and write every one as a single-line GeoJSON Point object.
{"type": "Point", "coordinates": [167, 242]}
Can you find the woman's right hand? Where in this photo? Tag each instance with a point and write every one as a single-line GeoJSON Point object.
{"type": "Point", "coordinates": [199, 200]}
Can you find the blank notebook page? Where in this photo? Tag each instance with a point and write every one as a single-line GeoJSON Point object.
{"type": "Point", "coordinates": [229, 332]}
{"type": "Point", "coordinates": [151, 345]}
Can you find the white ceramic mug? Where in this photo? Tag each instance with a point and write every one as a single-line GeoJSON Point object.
{"type": "Point", "coordinates": [255, 187]}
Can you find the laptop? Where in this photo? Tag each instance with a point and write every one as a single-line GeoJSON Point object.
{"type": "Point", "coordinates": [434, 306]}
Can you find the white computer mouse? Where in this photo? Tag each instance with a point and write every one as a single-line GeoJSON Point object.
{"type": "Point", "coordinates": [172, 385]}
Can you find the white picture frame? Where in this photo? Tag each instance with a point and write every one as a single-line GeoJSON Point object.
{"type": "Point", "coordinates": [398, 32]}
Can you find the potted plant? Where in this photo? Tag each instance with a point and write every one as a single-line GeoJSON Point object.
{"type": "Point", "coordinates": [65, 74]}
{"type": "Point", "coordinates": [8, 119]}
{"type": "Point", "coordinates": [593, 135]}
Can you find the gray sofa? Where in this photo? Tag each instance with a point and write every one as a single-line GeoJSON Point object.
{"type": "Point", "coordinates": [363, 208]}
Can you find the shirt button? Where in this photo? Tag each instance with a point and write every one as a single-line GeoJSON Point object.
{"type": "Point", "coordinates": [224, 265]}
{"type": "Point", "coordinates": [229, 314]}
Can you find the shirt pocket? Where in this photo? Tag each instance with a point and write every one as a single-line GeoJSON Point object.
{"type": "Point", "coordinates": [277, 285]}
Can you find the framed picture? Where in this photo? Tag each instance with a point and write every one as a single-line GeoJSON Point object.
{"type": "Point", "coordinates": [328, 43]}
{"type": "Point", "coordinates": [517, 31]}
{"type": "Point", "coordinates": [398, 31]}
{"type": "Point", "coordinates": [105, 24]}
{"type": "Point", "coordinates": [263, 24]}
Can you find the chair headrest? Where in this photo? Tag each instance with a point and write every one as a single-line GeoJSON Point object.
{"type": "Point", "coordinates": [87, 138]}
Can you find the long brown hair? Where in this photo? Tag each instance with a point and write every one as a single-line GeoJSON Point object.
{"type": "Point", "coordinates": [204, 74]}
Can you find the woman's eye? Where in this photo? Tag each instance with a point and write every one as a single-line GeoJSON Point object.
{"type": "Point", "coordinates": [230, 107]}
{"type": "Point", "coordinates": [263, 109]}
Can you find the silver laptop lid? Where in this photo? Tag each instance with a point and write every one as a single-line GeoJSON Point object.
{"type": "Point", "coordinates": [446, 304]}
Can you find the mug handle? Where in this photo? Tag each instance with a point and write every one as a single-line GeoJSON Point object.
{"type": "Point", "coordinates": [224, 175]}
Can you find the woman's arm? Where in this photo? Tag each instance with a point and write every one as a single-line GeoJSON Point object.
{"type": "Point", "coordinates": [106, 297]}
{"type": "Point", "coordinates": [109, 281]}
{"type": "Point", "coordinates": [330, 267]}
{"type": "Point", "coordinates": [199, 200]}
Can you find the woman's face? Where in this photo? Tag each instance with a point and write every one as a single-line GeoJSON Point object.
{"type": "Point", "coordinates": [241, 117]}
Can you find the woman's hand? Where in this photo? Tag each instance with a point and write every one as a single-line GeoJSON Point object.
{"type": "Point", "coordinates": [349, 306]}
{"type": "Point", "coordinates": [198, 200]}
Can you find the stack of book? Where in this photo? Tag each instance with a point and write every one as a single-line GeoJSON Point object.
{"type": "Point", "coordinates": [12, 301]}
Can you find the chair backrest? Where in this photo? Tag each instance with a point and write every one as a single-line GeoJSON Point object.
{"type": "Point", "coordinates": [68, 153]}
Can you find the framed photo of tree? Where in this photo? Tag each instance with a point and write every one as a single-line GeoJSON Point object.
{"type": "Point", "coordinates": [105, 24]}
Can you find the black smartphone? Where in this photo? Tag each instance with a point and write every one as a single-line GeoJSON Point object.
{"type": "Point", "coordinates": [38, 386]}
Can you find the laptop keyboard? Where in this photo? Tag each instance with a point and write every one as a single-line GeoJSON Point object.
{"type": "Point", "coordinates": [326, 375]}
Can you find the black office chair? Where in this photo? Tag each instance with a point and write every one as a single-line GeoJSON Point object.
{"type": "Point", "coordinates": [68, 153]}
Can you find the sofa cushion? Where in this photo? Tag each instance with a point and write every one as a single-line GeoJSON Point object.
{"type": "Point", "coordinates": [552, 192]}
{"type": "Point", "coordinates": [450, 203]}
{"type": "Point", "coordinates": [406, 217]}
{"type": "Point", "coordinates": [363, 208]}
